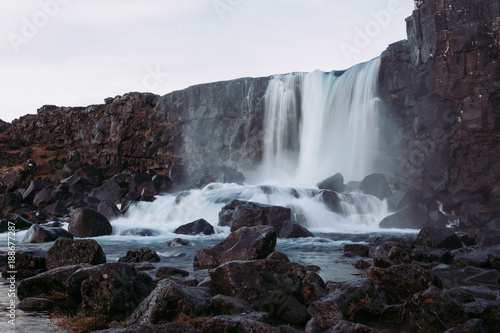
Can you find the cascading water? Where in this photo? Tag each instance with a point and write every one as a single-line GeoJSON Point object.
{"type": "Point", "coordinates": [320, 123]}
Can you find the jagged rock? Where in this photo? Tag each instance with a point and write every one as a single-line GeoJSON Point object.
{"type": "Point", "coordinates": [162, 183]}
{"type": "Point", "coordinates": [445, 307]}
{"type": "Point", "coordinates": [276, 255]}
{"type": "Point", "coordinates": [227, 305]}
{"type": "Point", "coordinates": [488, 311]}
{"type": "Point", "coordinates": [330, 199]}
{"type": "Point", "coordinates": [11, 219]}
{"type": "Point", "coordinates": [177, 327]}
{"type": "Point", "coordinates": [168, 300]}
{"type": "Point", "coordinates": [178, 242]}
{"type": "Point", "coordinates": [404, 280]}
{"type": "Point", "coordinates": [165, 272]}
{"type": "Point", "coordinates": [91, 174]}
{"type": "Point", "coordinates": [440, 238]}
{"type": "Point", "coordinates": [58, 208]}
{"type": "Point", "coordinates": [140, 255]}
{"type": "Point", "coordinates": [292, 229]}
{"type": "Point", "coordinates": [67, 251]}
{"type": "Point", "coordinates": [43, 234]}
{"type": "Point", "coordinates": [11, 179]}
{"type": "Point", "coordinates": [477, 257]}
{"type": "Point", "coordinates": [29, 262]}
{"type": "Point", "coordinates": [358, 249]}
{"type": "Point", "coordinates": [108, 210]}
{"type": "Point", "coordinates": [34, 187]}
{"type": "Point", "coordinates": [36, 304]}
{"type": "Point", "coordinates": [248, 214]}
{"type": "Point", "coordinates": [178, 174]}
{"type": "Point", "coordinates": [115, 291]}
{"type": "Point", "coordinates": [410, 217]}
{"type": "Point", "coordinates": [313, 288]}
{"type": "Point", "coordinates": [334, 183]}
{"type": "Point", "coordinates": [85, 222]}
{"type": "Point", "coordinates": [293, 312]}
{"type": "Point", "coordinates": [200, 226]}
{"type": "Point", "coordinates": [244, 244]}
{"type": "Point", "coordinates": [376, 185]}
{"type": "Point", "coordinates": [9, 201]}
{"type": "Point", "coordinates": [382, 246]}
{"type": "Point", "coordinates": [265, 284]}
{"type": "Point", "coordinates": [110, 191]}
{"type": "Point", "coordinates": [252, 322]}
{"type": "Point", "coordinates": [470, 326]}
{"type": "Point", "coordinates": [48, 195]}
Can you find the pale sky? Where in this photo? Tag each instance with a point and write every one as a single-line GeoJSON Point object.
{"type": "Point", "coordinates": [78, 52]}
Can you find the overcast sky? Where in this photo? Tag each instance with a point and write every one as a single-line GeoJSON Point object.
{"type": "Point", "coordinates": [78, 52]}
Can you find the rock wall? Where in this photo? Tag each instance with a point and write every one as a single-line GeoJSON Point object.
{"type": "Point", "coordinates": [211, 124]}
{"type": "Point", "coordinates": [441, 94]}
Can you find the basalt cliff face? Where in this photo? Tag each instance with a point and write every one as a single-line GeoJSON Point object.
{"type": "Point", "coordinates": [441, 93]}
{"type": "Point", "coordinates": [212, 124]}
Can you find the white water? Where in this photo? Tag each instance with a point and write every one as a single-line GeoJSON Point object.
{"type": "Point", "coordinates": [318, 124]}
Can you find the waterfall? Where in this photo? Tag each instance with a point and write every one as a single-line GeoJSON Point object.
{"type": "Point", "coordinates": [318, 124]}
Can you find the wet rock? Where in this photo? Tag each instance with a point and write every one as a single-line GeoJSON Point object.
{"type": "Point", "coordinates": [109, 210]}
{"type": "Point", "coordinates": [409, 217]}
{"type": "Point", "coordinates": [47, 196]}
{"type": "Point", "coordinates": [330, 199]}
{"type": "Point", "coordinates": [110, 191]}
{"type": "Point", "coordinates": [470, 326]}
{"type": "Point", "coordinates": [244, 244]}
{"type": "Point", "coordinates": [85, 222]}
{"type": "Point", "coordinates": [91, 174]}
{"type": "Point", "coordinates": [439, 238]}
{"type": "Point", "coordinates": [404, 280]}
{"type": "Point", "coordinates": [14, 220]}
{"type": "Point", "coordinates": [168, 300]}
{"type": "Point", "coordinates": [376, 185]}
{"type": "Point", "coordinates": [488, 311]}
{"type": "Point", "coordinates": [11, 179]}
{"type": "Point", "coordinates": [178, 242]}
{"type": "Point", "coordinates": [200, 226]}
{"type": "Point", "coordinates": [238, 323]}
{"type": "Point", "coordinates": [227, 305]}
{"type": "Point", "coordinates": [34, 187]}
{"type": "Point", "coordinates": [36, 304]}
{"type": "Point", "coordinates": [140, 255]}
{"type": "Point", "coordinates": [362, 264]}
{"type": "Point", "coordinates": [43, 234]}
{"type": "Point", "coordinates": [477, 257]}
{"type": "Point", "coordinates": [9, 202]}
{"type": "Point", "coordinates": [276, 255]}
{"type": "Point", "coordinates": [293, 312]}
{"type": "Point", "coordinates": [162, 183]}
{"type": "Point", "coordinates": [345, 326]}
{"type": "Point", "coordinates": [382, 246]}
{"type": "Point", "coordinates": [58, 208]}
{"type": "Point", "coordinates": [357, 249]}
{"type": "Point", "coordinates": [29, 262]}
{"type": "Point", "coordinates": [140, 232]}
{"type": "Point", "coordinates": [165, 272]}
{"type": "Point", "coordinates": [248, 214]}
{"type": "Point", "coordinates": [292, 229]}
{"type": "Point", "coordinates": [444, 306]}
{"type": "Point", "coordinates": [67, 251]}
{"type": "Point", "coordinates": [177, 173]}
{"type": "Point", "coordinates": [334, 183]}
{"type": "Point", "coordinates": [265, 284]}
{"type": "Point", "coordinates": [215, 174]}
{"type": "Point", "coordinates": [177, 327]}
{"type": "Point", "coordinates": [115, 291]}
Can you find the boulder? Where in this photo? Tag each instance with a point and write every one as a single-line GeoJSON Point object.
{"type": "Point", "coordinates": [376, 185]}
{"type": "Point", "coordinates": [165, 272]}
{"type": "Point", "coordinates": [109, 210]}
{"type": "Point", "coordinates": [445, 307]}
{"type": "Point", "coordinates": [48, 195]}
{"type": "Point", "coordinates": [227, 305]}
{"type": "Point", "coordinates": [29, 262]}
{"type": "Point", "coordinates": [439, 238]}
{"type": "Point", "coordinates": [110, 191]}
{"type": "Point", "coordinates": [36, 304]}
{"type": "Point", "coordinates": [248, 214]}
{"type": "Point", "coordinates": [292, 312]}
{"type": "Point", "coordinates": [178, 242]}
{"type": "Point", "coordinates": [313, 288]}
{"type": "Point", "coordinates": [43, 234]}
{"type": "Point", "coordinates": [200, 226]}
{"type": "Point", "coordinates": [168, 300]}
{"type": "Point", "coordinates": [92, 175]}
{"type": "Point", "coordinates": [244, 244]}
{"type": "Point", "coordinates": [330, 199]}
{"type": "Point", "coordinates": [404, 280]}
{"type": "Point", "coordinates": [34, 187]}
{"type": "Point", "coordinates": [292, 229]}
{"type": "Point", "coordinates": [334, 183]}
{"type": "Point", "coordinates": [177, 327]}
{"type": "Point", "coordinates": [14, 220]}
{"type": "Point", "coordinates": [409, 217]}
{"type": "Point", "coordinates": [252, 322]}
{"type": "Point", "coordinates": [115, 290]}
{"type": "Point", "coordinates": [67, 251]}
{"type": "Point", "coordinates": [85, 222]}
{"type": "Point", "coordinates": [11, 179]}
{"type": "Point", "coordinates": [265, 284]}
{"type": "Point", "coordinates": [140, 255]}
{"type": "Point", "coordinates": [357, 249]}
{"type": "Point", "coordinates": [477, 257]}
{"type": "Point", "coordinates": [177, 173]}
{"type": "Point", "coordinates": [9, 202]}
{"type": "Point", "coordinates": [162, 183]}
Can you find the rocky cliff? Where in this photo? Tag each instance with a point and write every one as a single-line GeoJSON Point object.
{"type": "Point", "coordinates": [212, 124]}
{"type": "Point", "coordinates": [441, 93]}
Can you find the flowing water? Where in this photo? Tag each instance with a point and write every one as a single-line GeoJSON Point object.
{"type": "Point", "coordinates": [316, 125]}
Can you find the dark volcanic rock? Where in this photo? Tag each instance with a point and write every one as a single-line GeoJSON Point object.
{"type": "Point", "coordinates": [165, 272]}
{"type": "Point", "coordinates": [168, 300]}
{"type": "Point", "coordinates": [178, 327]}
{"type": "Point", "coordinates": [108, 210]}
{"type": "Point", "coordinates": [376, 185]}
{"type": "Point", "coordinates": [200, 226]}
{"type": "Point", "coordinates": [243, 244]}
{"type": "Point", "coordinates": [28, 262]}
{"type": "Point", "coordinates": [440, 238]}
{"type": "Point", "coordinates": [85, 222]}
{"type": "Point", "coordinates": [67, 251]}
{"type": "Point", "coordinates": [334, 183]}
{"type": "Point", "coordinates": [410, 217]}
{"type": "Point", "coordinates": [36, 304]}
{"type": "Point", "coordinates": [252, 322]}
{"type": "Point", "coordinates": [291, 229]}
{"type": "Point", "coordinates": [140, 255]}
{"type": "Point", "coordinates": [265, 284]}
{"type": "Point", "coordinates": [115, 291]}
{"type": "Point", "coordinates": [227, 305]}
{"type": "Point", "coordinates": [42, 234]}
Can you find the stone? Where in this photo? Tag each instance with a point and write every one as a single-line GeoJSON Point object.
{"type": "Point", "coordinates": [177, 327]}
{"type": "Point", "coordinates": [91, 174]}
{"type": "Point", "coordinates": [115, 291]}
{"type": "Point", "coordinates": [43, 234]}
{"type": "Point", "coordinates": [439, 238]}
{"type": "Point", "coordinates": [140, 255]}
{"type": "Point", "coordinates": [409, 217]}
{"type": "Point", "coordinates": [29, 262]}
{"type": "Point", "coordinates": [165, 272]}
{"type": "Point", "coordinates": [110, 191]}
{"type": "Point", "coordinates": [178, 242]}
{"type": "Point", "coordinates": [48, 195]}
{"type": "Point", "coordinates": [265, 284]}
{"type": "Point", "coordinates": [293, 312]}
{"type": "Point", "coordinates": [358, 249]}
{"type": "Point", "coordinates": [376, 185]}
{"type": "Point", "coordinates": [65, 252]}
{"type": "Point", "coordinates": [85, 222]}
{"type": "Point", "coordinates": [247, 243]}
{"type": "Point", "coordinates": [227, 305]}
{"type": "Point", "coordinates": [200, 226]}
{"type": "Point", "coordinates": [11, 219]}
{"type": "Point", "coordinates": [252, 322]}
{"type": "Point", "coordinates": [34, 187]}
{"type": "Point", "coordinates": [36, 304]}
{"type": "Point", "coordinates": [168, 300]}
{"type": "Point", "coordinates": [292, 229]}
{"type": "Point", "coordinates": [58, 208]}
{"type": "Point", "coordinates": [334, 183]}
{"type": "Point", "coordinates": [109, 210]}
{"type": "Point", "coordinates": [470, 326]}
{"type": "Point", "coordinates": [9, 201]}
{"type": "Point", "coordinates": [330, 199]}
